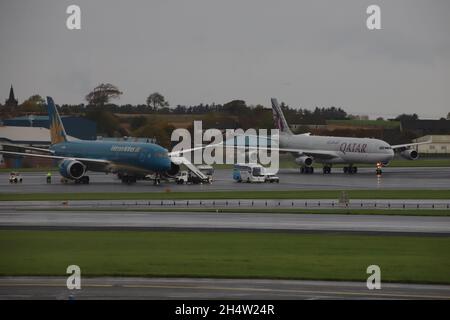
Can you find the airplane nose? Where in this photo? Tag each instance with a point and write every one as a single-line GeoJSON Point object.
{"type": "Point", "coordinates": [391, 154]}
{"type": "Point", "coordinates": [167, 164]}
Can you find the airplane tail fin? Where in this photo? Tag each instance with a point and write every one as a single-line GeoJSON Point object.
{"type": "Point", "coordinates": [57, 131]}
{"type": "Point", "coordinates": [278, 118]}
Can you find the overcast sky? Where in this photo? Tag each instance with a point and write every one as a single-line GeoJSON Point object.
{"type": "Point", "coordinates": [306, 53]}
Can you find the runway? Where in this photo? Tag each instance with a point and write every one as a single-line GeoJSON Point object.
{"type": "Point", "coordinates": [98, 220]}
{"type": "Point", "coordinates": [202, 288]}
{"type": "Point", "coordinates": [290, 179]}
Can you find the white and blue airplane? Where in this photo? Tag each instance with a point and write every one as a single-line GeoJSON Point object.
{"type": "Point", "coordinates": [131, 161]}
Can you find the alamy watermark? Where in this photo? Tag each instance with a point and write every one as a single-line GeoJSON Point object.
{"type": "Point", "coordinates": [74, 280]}
{"type": "Point", "coordinates": [231, 146]}
{"type": "Point", "coordinates": [374, 280]}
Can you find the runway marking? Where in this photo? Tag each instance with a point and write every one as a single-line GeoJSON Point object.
{"type": "Point", "coordinates": [289, 291]}
{"type": "Point", "coordinates": [50, 285]}
{"type": "Point", "coordinates": [366, 294]}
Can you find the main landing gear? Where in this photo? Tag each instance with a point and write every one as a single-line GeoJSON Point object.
{"type": "Point", "coordinates": [128, 179]}
{"type": "Point", "coordinates": [326, 169]}
{"type": "Point", "coordinates": [306, 169]}
{"type": "Point", "coordinates": [82, 180]}
{"type": "Point", "coordinates": [350, 169]}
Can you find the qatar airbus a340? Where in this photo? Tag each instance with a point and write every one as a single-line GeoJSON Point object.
{"type": "Point", "coordinates": [329, 150]}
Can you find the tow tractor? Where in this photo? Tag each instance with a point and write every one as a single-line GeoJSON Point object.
{"type": "Point", "coordinates": [186, 177]}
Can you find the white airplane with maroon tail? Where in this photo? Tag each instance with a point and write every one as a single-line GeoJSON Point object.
{"type": "Point", "coordinates": [329, 150]}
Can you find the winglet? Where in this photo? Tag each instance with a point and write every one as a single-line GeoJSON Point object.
{"type": "Point", "coordinates": [57, 131]}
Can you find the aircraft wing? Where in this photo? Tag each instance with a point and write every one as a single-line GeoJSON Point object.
{"type": "Point", "coordinates": [407, 145]}
{"type": "Point", "coordinates": [25, 148]}
{"type": "Point", "coordinates": [92, 164]}
{"type": "Point", "coordinates": [319, 154]}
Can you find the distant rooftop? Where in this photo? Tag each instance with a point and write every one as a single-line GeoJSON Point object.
{"type": "Point", "coordinates": [27, 135]}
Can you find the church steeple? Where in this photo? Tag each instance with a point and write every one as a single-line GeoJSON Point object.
{"type": "Point", "coordinates": [11, 102]}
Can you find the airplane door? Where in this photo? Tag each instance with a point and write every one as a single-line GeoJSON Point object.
{"type": "Point", "coordinates": [142, 156]}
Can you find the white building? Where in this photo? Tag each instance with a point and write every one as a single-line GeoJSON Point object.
{"type": "Point", "coordinates": [439, 144]}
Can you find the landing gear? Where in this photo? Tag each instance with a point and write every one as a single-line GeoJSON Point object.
{"type": "Point", "coordinates": [82, 180]}
{"type": "Point", "coordinates": [306, 169]}
{"type": "Point", "coordinates": [128, 179]}
{"type": "Point", "coordinates": [157, 180]}
{"type": "Point", "coordinates": [326, 169]}
{"type": "Point", "coordinates": [350, 169]}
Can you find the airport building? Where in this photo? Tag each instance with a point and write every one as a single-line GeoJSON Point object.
{"type": "Point", "coordinates": [26, 136]}
{"type": "Point", "coordinates": [77, 127]}
{"type": "Point", "coordinates": [440, 144]}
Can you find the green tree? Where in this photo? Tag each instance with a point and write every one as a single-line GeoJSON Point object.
{"type": "Point", "coordinates": [156, 100]}
{"type": "Point", "coordinates": [158, 130]}
{"type": "Point", "coordinates": [35, 103]}
{"type": "Point", "coordinates": [137, 122]}
{"type": "Point", "coordinates": [407, 117]}
{"type": "Point", "coordinates": [107, 123]}
{"type": "Point", "coordinates": [102, 94]}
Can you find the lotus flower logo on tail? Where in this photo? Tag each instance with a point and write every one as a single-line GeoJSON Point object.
{"type": "Point", "coordinates": [57, 132]}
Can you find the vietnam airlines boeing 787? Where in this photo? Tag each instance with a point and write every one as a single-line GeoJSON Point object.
{"type": "Point", "coordinates": [129, 160]}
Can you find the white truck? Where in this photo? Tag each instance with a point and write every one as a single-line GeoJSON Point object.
{"type": "Point", "coordinates": [186, 177]}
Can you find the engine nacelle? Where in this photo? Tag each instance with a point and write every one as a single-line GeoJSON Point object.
{"type": "Point", "coordinates": [174, 169]}
{"type": "Point", "coordinates": [72, 169]}
{"type": "Point", "coordinates": [304, 161]}
{"type": "Point", "coordinates": [410, 154]}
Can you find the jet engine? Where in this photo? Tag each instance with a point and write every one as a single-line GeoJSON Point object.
{"type": "Point", "coordinates": [410, 154]}
{"type": "Point", "coordinates": [304, 161]}
{"type": "Point", "coordinates": [72, 169]}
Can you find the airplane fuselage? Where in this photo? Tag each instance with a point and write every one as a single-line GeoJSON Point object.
{"type": "Point", "coordinates": [125, 156]}
{"type": "Point", "coordinates": [348, 150]}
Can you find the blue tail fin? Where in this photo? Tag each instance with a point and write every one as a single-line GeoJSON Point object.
{"type": "Point", "coordinates": [57, 132]}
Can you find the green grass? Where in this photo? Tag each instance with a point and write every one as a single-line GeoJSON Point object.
{"type": "Point", "coordinates": [225, 254]}
{"type": "Point", "coordinates": [289, 194]}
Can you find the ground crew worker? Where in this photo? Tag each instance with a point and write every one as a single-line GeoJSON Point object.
{"type": "Point", "coordinates": [49, 177]}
